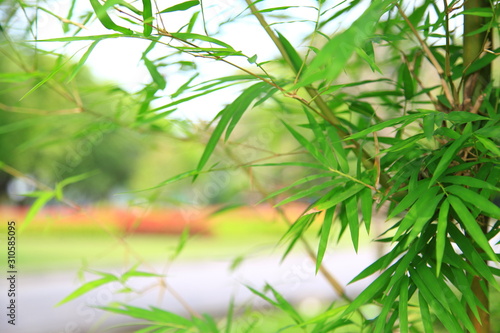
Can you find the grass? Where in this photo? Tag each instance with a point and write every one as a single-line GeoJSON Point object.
{"type": "Point", "coordinates": [68, 242]}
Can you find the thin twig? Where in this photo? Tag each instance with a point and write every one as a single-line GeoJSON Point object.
{"type": "Point", "coordinates": [430, 55]}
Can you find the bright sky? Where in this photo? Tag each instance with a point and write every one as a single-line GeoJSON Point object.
{"type": "Point", "coordinates": [118, 60]}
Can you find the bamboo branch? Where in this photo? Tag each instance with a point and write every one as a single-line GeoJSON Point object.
{"type": "Point", "coordinates": [430, 55]}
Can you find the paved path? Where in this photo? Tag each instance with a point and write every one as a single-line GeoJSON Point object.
{"type": "Point", "coordinates": [206, 286]}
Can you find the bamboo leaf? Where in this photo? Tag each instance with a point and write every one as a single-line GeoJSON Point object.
{"type": "Point", "coordinates": [40, 202]}
{"type": "Point", "coordinates": [147, 16]}
{"type": "Point", "coordinates": [307, 145]}
{"type": "Point", "coordinates": [333, 57]}
{"type": "Point", "coordinates": [284, 305]}
{"type": "Point", "coordinates": [476, 200]}
{"type": "Point", "coordinates": [366, 207]}
{"type": "Point", "coordinates": [82, 61]}
{"type": "Point", "coordinates": [371, 291]}
{"type": "Point", "coordinates": [324, 236]}
{"type": "Point", "coordinates": [311, 191]}
{"type": "Point", "coordinates": [347, 193]}
{"type": "Point", "coordinates": [469, 251]}
{"type": "Point", "coordinates": [155, 74]}
{"type": "Point", "coordinates": [385, 124]}
{"type": "Point", "coordinates": [351, 205]}
{"type": "Point", "coordinates": [295, 59]}
{"type": "Point", "coordinates": [182, 6]}
{"type": "Point", "coordinates": [187, 36]}
{"type": "Point", "coordinates": [85, 288]}
{"type": "Point", "coordinates": [409, 198]}
{"type": "Point", "coordinates": [448, 156]}
{"type": "Point", "coordinates": [460, 117]}
{"type": "Point", "coordinates": [441, 234]}
{"type": "Point", "coordinates": [338, 148]}
{"type": "Point", "coordinates": [56, 70]}
{"type": "Point", "coordinates": [469, 181]}
{"type": "Point", "coordinates": [490, 145]}
{"type": "Point", "coordinates": [403, 305]}
{"type": "Point", "coordinates": [296, 183]}
{"type": "Point", "coordinates": [408, 85]}
{"type": "Point", "coordinates": [107, 22]}
{"type": "Point", "coordinates": [471, 226]}
{"type": "Point", "coordinates": [238, 106]}
{"type": "Point", "coordinates": [426, 314]}
{"type": "Point", "coordinates": [419, 213]}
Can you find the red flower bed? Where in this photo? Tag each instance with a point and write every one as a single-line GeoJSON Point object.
{"type": "Point", "coordinates": [137, 221]}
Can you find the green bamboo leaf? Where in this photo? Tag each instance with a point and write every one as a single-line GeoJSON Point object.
{"type": "Point", "coordinates": [187, 36]}
{"type": "Point", "coordinates": [419, 214]}
{"type": "Point", "coordinates": [469, 251]}
{"type": "Point", "coordinates": [490, 145]}
{"type": "Point", "coordinates": [408, 85]}
{"type": "Point", "coordinates": [307, 145]}
{"type": "Point", "coordinates": [284, 305]}
{"type": "Point", "coordinates": [483, 12]}
{"type": "Point", "coordinates": [18, 77]}
{"type": "Point", "coordinates": [409, 198]}
{"type": "Point", "coordinates": [71, 180]}
{"type": "Point", "coordinates": [295, 59]}
{"type": "Point", "coordinates": [469, 181]}
{"type": "Point", "coordinates": [155, 74]}
{"type": "Point", "coordinates": [403, 305]}
{"type": "Point", "coordinates": [338, 148]}
{"type": "Point", "coordinates": [296, 183]}
{"type": "Point", "coordinates": [368, 57]}
{"type": "Point", "coordinates": [82, 61]}
{"type": "Point", "coordinates": [388, 305]}
{"type": "Point", "coordinates": [40, 202]}
{"type": "Point", "coordinates": [333, 57]}
{"type": "Point", "coordinates": [102, 15]}
{"type": "Point", "coordinates": [460, 117]}
{"type": "Point", "coordinates": [81, 38]}
{"type": "Point", "coordinates": [366, 207]}
{"type": "Point", "coordinates": [471, 226]}
{"type": "Point", "coordinates": [380, 263]}
{"type": "Point", "coordinates": [60, 65]}
{"type": "Point", "coordinates": [268, 10]}
{"type": "Point", "coordinates": [245, 101]}
{"type": "Point", "coordinates": [370, 292]}
{"type": "Point", "coordinates": [434, 297]}
{"type": "Point", "coordinates": [449, 155]}
{"type": "Point", "coordinates": [238, 106]}
{"type": "Point", "coordinates": [445, 296]}
{"type": "Point", "coordinates": [475, 200]}
{"type": "Point", "coordinates": [311, 191]}
{"type": "Point", "coordinates": [462, 283]}
{"type": "Point", "coordinates": [331, 314]}
{"type": "Point", "coordinates": [441, 234]}
{"type": "Point", "coordinates": [428, 210]}
{"type": "Point", "coordinates": [348, 192]}
{"type": "Point", "coordinates": [324, 236]}
{"type": "Point", "coordinates": [182, 6]}
{"type": "Point", "coordinates": [147, 16]}
{"type": "Point", "coordinates": [261, 295]}
{"type": "Point", "coordinates": [428, 125]}
{"type": "Point", "coordinates": [351, 206]}
{"type": "Point", "coordinates": [322, 140]}
{"type": "Point", "coordinates": [385, 124]}
{"type": "Point", "coordinates": [153, 314]}
{"type": "Point", "coordinates": [426, 314]}
{"type": "Point", "coordinates": [86, 287]}
{"type": "Point", "coordinates": [181, 243]}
